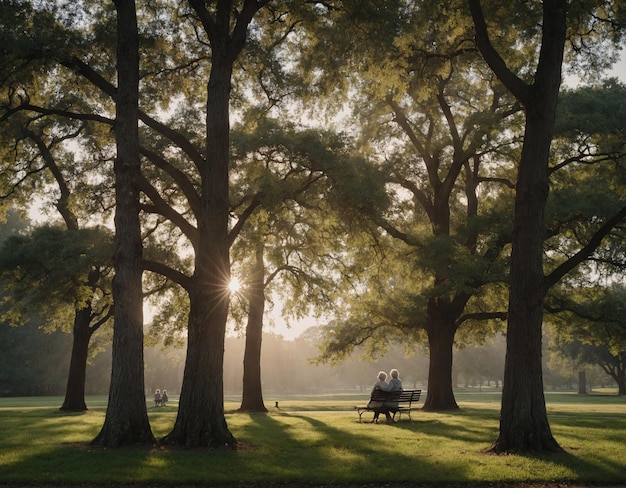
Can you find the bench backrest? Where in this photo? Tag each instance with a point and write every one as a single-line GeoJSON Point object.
{"type": "Point", "coordinates": [401, 396]}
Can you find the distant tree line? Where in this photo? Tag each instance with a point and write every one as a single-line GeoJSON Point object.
{"type": "Point", "coordinates": [35, 363]}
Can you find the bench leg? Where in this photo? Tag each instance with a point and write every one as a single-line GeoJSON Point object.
{"type": "Point", "coordinates": [361, 412]}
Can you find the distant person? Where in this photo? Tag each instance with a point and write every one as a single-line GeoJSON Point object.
{"type": "Point", "coordinates": [377, 406]}
{"type": "Point", "coordinates": [164, 398]}
{"type": "Point", "coordinates": [157, 398]}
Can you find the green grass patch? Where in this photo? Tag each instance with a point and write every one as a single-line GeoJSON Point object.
{"type": "Point", "coordinates": [318, 440]}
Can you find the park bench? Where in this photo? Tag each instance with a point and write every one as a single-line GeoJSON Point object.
{"type": "Point", "coordinates": [404, 399]}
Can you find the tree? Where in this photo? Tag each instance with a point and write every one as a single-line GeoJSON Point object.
{"type": "Point", "coordinates": [126, 420]}
{"type": "Point", "coordinates": [589, 142]}
{"type": "Point", "coordinates": [60, 277]}
{"type": "Point", "coordinates": [90, 312]}
{"type": "Point", "coordinates": [431, 119]}
{"type": "Point", "coordinates": [523, 421]}
{"type": "Point", "coordinates": [200, 419]}
{"type": "Point", "coordinates": [40, 166]}
{"type": "Point", "coordinates": [524, 425]}
{"type": "Point", "coordinates": [288, 247]}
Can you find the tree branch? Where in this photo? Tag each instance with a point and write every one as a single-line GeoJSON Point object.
{"type": "Point", "coordinates": [482, 316]}
{"type": "Point", "coordinates": [179, 177]}
{"type": "Point", "coordinates": [254, 204]}
{"type": "Point", "coordinates": [170, 273]}
{"type": "Point", "coordinates": [515, 85]}
{"type": "Point", "coordinates": [587, 250]}
{"type": "Point", "coordinates": [164, 209]}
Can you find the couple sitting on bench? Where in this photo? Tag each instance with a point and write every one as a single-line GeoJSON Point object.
{"type": "Point", "coordinates": [384, 406]}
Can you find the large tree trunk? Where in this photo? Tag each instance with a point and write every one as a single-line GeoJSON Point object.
{"type": "Point", "coordinates": [82, 332]}
{"type": "Point", "coordinates": [252, 398]}
{"type": "Point", "coordinates": [441, 340]}
{"type": "Point", "coordinates": [524, 423]}
{"type": "Point", "coordinates": [126, 419]}
{"type": "Point", "coordinates": [75, 391]}
{"type": "Point", "coordinates": [200, 420]}
{"type": "Point", "coordinates": [523, 419]}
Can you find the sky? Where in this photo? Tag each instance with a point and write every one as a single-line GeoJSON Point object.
{"type": "Point", "coordinates": [296, 327]}
{"type": "Point", "coordinates": [618, 71]}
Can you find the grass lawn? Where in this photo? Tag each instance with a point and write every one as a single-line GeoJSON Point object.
{"type": "Point", "coordinates": [318, 440]}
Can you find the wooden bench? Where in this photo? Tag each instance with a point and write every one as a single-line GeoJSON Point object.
{"type": "Point", "coordinates": [404, 399]}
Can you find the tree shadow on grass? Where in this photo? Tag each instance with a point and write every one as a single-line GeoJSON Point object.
{"type": "Point", "coordinates": [310, 448]}
{"type": "Point", "coordinates": [469, 438]}
{"type": "Point", "coordinates": [330, 453]}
